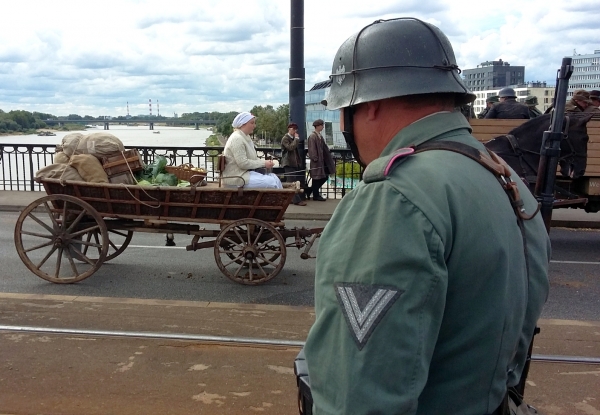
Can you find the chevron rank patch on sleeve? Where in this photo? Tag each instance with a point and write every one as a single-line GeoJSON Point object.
{"type": "Point", "coordinates": [364, 306]}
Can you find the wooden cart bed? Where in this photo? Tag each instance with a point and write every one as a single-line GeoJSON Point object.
{"type": "Point", "coordinates": [208, 204]}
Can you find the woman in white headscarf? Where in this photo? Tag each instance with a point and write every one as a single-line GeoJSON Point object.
{"type": "Point", "coordinates": [241, 158]}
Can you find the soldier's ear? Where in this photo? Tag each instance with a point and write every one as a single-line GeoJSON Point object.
{"type": "Point", "coordinates": [373, 109]}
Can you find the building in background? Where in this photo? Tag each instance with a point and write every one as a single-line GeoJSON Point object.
{"type": "Point", "coordinates": [493, 75]}
{"type": "Point", "coordinates": [315, 110]}
{"type": "Point", "coordinates": [586, 72]}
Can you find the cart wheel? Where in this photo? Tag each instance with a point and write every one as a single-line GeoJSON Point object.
{"type": "Point", "coordinates": [118, 240]}
{"type": "Point", "coordinates": [250, 251]}
{"type": "Point", "coordinates": [51, 232]}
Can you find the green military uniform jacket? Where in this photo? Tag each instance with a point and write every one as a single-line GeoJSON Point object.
{"type": "Point", "coordinates": [422, 299]}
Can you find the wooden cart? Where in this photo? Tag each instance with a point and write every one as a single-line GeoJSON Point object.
{"type": "Point", "coordinates": [65, 236]}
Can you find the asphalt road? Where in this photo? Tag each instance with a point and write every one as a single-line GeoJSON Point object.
{"type": "Point", "coordinates": [149, 270]}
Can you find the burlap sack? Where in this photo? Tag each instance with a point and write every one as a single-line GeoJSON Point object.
{"type": "Point", "coordinates": [59, 171]}
{"type": "Point", "coordinates": [89, 167]}
{"type": "Point", "coordinates": [60, 157]}
{"type": "Point", "coordinates": [97, 144]}
{"type": "Point", "coordinates": [69, 142]}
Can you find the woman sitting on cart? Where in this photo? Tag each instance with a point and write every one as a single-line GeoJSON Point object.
{"type": "Point", "coordinates": [241, 161]}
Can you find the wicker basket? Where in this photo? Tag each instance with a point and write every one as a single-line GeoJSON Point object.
{"type": "Point", "coordinates": [187, 172]}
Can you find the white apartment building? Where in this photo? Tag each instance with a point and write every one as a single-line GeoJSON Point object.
{"type": "Point", "coordinates": [586, 72]}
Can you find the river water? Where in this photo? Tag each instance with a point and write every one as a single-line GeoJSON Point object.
{"type": "Point", "coordinates": [139, 136]}
{"type": "Point", "coordinates": [15, 168]}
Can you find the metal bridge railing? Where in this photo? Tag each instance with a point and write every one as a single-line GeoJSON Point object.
{"type": "Point", "coordinates": [20, 162]}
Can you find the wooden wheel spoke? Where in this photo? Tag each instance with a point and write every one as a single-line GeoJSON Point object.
{"type": "Point", "coordinates": [261, 269]}
{"type": "Point", "coordinates": [51, 214]}
{"type": "Point", "coordinates": [73, 266]}
{"type": "Point", "coordinates": [237, 273]}
{"type": "Point", "coordinates": [265, 260]}
{"type": "Point", "coordinates": [81, 256]}
{"type": "Point", "coordinates": [235, 260]}
{"type": "Point", "coordinates": [231, 241]}
{"type": "Point", "coordinates": [35, 248]}
{"type": "Point", "coordinates": [88, 238]}
{"type": "Point", "coordinates": [76, 221]}
{"type": "Point", "coordinates": [58, 262]}
{"type": "Point", "coordinates": [113, 245]}
{"type": "Point", "coordinates": [89, 244]}
{"type": "Point", "coordinates": [84, 231]}
{"type": "Point", "coordinates": [39, 235]}
{"type": "Point", "coordinates": [48, 255]}
{"type": "Point", "coordinates": [249, 235]}
{"type": "Point", "coordinates": [230, 250]}
{"type": "Point", "coordinates": [258, 236]}
{"type": "Point", "coordinates": [123, 234]}
{"type": "Point", "coordinates": [40, 222]}
{"type": "Point", "coordinates": [241, 240]}
{"type": "Point", "coordinates": [259, 247]}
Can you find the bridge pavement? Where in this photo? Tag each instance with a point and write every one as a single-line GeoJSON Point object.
{"type": "Point", "coordinates": [50, 372]}
{"type": "Point", "coordinates": [71, 374]}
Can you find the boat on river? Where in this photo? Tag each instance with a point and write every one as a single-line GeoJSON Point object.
{"type": "Point", "coordinates": [46, 134]}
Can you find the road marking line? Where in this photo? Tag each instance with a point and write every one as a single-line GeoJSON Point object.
{"type": "Point", "coordinates": [576, 262]}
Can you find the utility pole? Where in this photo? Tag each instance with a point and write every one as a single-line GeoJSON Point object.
{"type": "Point", "coordinates": [297, 73]}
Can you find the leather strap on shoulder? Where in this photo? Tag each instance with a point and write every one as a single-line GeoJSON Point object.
{"type": "Point", "coordinates": [492, 163]}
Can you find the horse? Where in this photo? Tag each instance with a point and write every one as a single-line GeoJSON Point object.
{"type": "Point", "coordinates": [520, 148]}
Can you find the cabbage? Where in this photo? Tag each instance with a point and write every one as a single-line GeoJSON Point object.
{"type": "Point", "coordinates": [165, 179]}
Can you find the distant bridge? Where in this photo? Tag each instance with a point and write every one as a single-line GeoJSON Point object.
{"type": "Point", "coordinates": [150, 122]}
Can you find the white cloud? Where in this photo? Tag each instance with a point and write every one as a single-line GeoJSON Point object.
{"type": "Point", "coordinates": [92, 57]}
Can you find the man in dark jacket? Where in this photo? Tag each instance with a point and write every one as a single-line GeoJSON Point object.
{"type": "Point", "coordinates": [489, 103]}
{"type": "Point", "coordinates": [508, 108]}
{"type": "Point", "coordinates": [290, 159]}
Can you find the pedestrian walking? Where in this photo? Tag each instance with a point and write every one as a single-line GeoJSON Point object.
{"type": "Point", "coordinates": [290, 160]}
{"type": "Point", "coordinates": [321, 162]}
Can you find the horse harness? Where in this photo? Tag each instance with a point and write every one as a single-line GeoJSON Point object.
{"type": "Point", "coordinates": [520, 153]}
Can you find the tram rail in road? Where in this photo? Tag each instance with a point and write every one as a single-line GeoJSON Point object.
{"type": "Point", "coordinates": [236, 340]}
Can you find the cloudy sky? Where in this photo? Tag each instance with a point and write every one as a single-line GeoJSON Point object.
{"type": "Point", "coordinates": [91, 57]}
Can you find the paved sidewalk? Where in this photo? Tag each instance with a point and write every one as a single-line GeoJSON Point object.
{"type": "Point", "coordinates": [569, 218]}
{"type": "Point", "coordinates": [72, 374]}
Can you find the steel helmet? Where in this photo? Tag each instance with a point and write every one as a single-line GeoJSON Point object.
{"type": "Point", "coordinates": [394, 58]}
{"type": "Point", "coordinates": [493, 98]}
{"type": "Point", "coordinates": [531, 100]}
{"type": "Point", "coordinates": [507, 93]}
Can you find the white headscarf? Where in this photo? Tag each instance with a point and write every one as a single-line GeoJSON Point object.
{"type": "Point", "coordinates": [241, 119]}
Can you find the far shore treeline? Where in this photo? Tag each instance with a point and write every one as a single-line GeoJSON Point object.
{"type": "Point", "coordinates": [271, 122]}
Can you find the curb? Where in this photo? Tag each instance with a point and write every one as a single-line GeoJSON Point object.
{"type": "Point", "coordinates": [570, 224]}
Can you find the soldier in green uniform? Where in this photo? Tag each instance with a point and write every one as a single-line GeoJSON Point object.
{"type": "Point", "coordinates": [489, 103]}
{"type": "Point", "coordinates": [425, 301]}
{"type": "Point", "coordinates": [531, 101]}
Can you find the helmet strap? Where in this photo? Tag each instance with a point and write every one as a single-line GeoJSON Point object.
{"type": "Point", "coordinates": [349, 134]}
